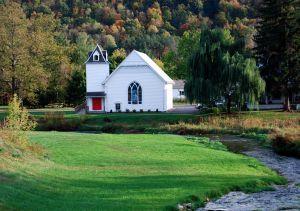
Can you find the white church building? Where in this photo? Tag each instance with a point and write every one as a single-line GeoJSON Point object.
{"type": "Point", "coordinates": [137, 84]}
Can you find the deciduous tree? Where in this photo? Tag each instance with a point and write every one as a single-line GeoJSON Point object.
{"type": "Point", "coordinates": [215, 72]}
{"type": "Point", "coordinates": [20, 73]}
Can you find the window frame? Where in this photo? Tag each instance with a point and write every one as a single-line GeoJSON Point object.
{"type": "Point", "coordinates": [96, 55]}
{"type": "Point", "coordinates": [118, 104]}
{"type": "Point", "coordinates": [135, 88]}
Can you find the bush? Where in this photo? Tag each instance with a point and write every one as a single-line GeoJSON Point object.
{"type": "Point", "coordinates": [215, 110]}
{"type": "Point", "coordinates": [56, 121]}
{"type": "Point", "coordinates": [106, 119]}
{"type": "Point", "coordinates": [113, 128]}
{"type": "Point", "coordinates": [14, 139]}
{"type": "Point", "coordinates": [180, 101]}
{"type": "Point", "coordinates": [286, 144]}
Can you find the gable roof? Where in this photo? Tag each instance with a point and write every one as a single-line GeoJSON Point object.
{"type": "Point", "coordinates": [102, 53]}
{"type": "Point", "coordinates": [179, 84]}
{"type": "Point", "coordinates": [136, 58]}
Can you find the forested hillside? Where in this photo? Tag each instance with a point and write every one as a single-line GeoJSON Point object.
{"type": "Point", "coordinates": [147, 25]}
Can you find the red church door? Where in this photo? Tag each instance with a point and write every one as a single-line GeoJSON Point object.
{"type": "Point", "coordinates": [97, 103]}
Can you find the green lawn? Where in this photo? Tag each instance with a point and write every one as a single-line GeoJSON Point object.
{"type": "Point", "coordinates": [129, 118]}
{"type": "Point", "coordinates": [124, 172]}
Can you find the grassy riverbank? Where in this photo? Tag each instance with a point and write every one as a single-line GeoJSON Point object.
{"type": "Point", "coordinates": [124, 172]}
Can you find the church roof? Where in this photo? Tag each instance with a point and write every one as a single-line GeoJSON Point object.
{"type": "Point", "coordinates": [136, 58]}
{"type": "Point", "coordinates": [154, 66]}
{"type": "Point", "coordinates": [102, 55]}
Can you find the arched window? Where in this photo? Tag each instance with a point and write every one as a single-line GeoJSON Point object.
{"type": "Point", "coordinates": [96, 57]}
{"type": "Point", "coordinates": [134, 93]}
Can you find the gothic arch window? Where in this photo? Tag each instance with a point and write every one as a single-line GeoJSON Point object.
{"type": "Point", "coordinates": [134, 93]}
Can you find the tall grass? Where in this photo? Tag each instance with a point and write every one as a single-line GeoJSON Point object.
{"type": "Point", "coordinates": [231, 125]}
{"type": "Point", "coordinates": [287, 141]}
{"type": "Point", "coordinates": [57, 121]}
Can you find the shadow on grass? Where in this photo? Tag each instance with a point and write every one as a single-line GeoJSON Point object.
{"type": "Point", "coordinates": [52, 192]}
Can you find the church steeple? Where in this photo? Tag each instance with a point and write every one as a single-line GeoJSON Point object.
{"type": "Point", "coordinates": [97, 69]}
{"type": "Point", "coordinates": [97, 55]}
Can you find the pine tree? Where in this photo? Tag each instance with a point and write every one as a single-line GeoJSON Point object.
{"type": "Point", "coordinates": [277, 46]}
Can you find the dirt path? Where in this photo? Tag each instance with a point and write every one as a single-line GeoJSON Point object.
{"type": "Point", "coordinates": [285, 197]}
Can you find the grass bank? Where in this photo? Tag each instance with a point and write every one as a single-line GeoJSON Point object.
{"type": "Point", "coordinates": [125, 172]}
{"type": "Point", "coordinates": [259, 125]}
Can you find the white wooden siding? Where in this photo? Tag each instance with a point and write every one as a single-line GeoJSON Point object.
{"type": "Point", "coordinates": [153, 89]}
{"type": "Point", "coordinates": [176, 94]}
{"type": "Point", "coordinates": [169, 96]}
{"type": "Point", "coordinates": [95, 75]}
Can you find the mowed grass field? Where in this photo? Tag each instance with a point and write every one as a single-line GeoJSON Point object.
{"type": "Point", "coordinates": [124, 172]}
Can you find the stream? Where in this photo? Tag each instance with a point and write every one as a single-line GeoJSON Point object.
{"type": "Point", "coordinates": [284, 197]}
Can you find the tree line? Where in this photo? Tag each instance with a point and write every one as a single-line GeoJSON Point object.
{"type": "Point", "coordinates": [44, 43]}
{"type": "Point", "coordinates": [222, 66]}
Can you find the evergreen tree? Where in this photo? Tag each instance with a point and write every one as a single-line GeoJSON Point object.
{"type": "Point", "coordinates": [215, 72]}
{"type": "Point", "coordinates": [278, 46]}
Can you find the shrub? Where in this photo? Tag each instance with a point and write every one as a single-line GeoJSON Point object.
{"type": "Point", "coordinates": [127, 110]}
{"type": "Point", "coordinates": [149, 110]}
{"type": "Point", "coordinates": [141, 110]}
{"type": "Point", "coordinates": [106, 119]}
{"type": "Point", "coordinates": [57, 121]}
{"type": "Point", "coordinates": [133, 110]}
{"type": "Point", "coordinates": [180, 101]}
{"type": "Point", "coordinates": [18, 118]}
{"type": "Point", "coordinates": [113, 128]}
{"type": "Point", "coordinates": [13, 134]}
{"type": "Point", "coordinates": [215, 110]}
{"type": "Point", "coordinates": [287, 143]}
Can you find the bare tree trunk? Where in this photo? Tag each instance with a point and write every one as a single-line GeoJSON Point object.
{"type": "Point", "coordinates": [228, 104]}
{"type": "Point", "coordinates": [287, 104]}
{"type": "Point", "coordinates": [13, 78]}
